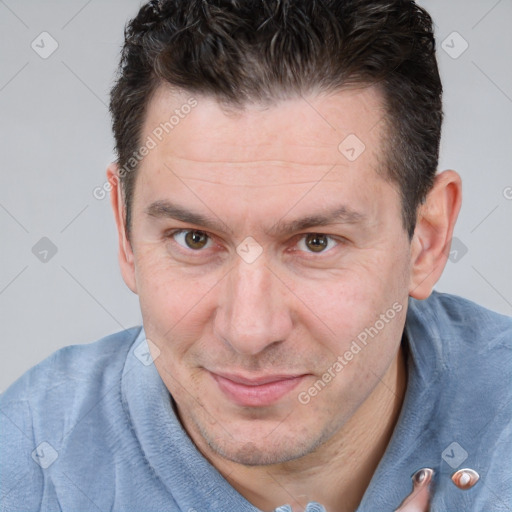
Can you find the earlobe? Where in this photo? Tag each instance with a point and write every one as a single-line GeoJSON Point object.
{"type": "Point", "coordinates": [432, 237]}
{"type": "Point", "coordinates": [125, 253]}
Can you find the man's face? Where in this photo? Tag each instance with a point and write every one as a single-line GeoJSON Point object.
{"type": "Point", "coordinates": [253, 304]}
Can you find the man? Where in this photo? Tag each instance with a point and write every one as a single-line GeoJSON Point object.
{"type": "Point", "coordinates": [281, 220]}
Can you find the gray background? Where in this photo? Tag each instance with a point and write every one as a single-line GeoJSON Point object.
{"type": "Point", "coordinates": [56, 143]}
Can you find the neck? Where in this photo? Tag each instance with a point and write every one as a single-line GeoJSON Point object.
{"type": "Point", "coordinates": [337, 473]}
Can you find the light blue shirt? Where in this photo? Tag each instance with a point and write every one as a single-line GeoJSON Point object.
{"type": "Point", "coordinates": [92, 428]}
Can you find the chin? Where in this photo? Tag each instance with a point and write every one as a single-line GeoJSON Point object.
{"type": "Point", "coordinates": [263, 450]}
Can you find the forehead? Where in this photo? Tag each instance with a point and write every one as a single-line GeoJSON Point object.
{"type": "Point", "coordinates": [299, 135]}
{"type": "Point", "coordinates": [250, 168]}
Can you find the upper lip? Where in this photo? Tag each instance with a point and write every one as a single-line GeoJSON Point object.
{"type": "Point", "coordinates": [256, 381]}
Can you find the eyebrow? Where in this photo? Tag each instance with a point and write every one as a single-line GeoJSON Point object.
{"type": "Point", "coordinates": [339, 215]}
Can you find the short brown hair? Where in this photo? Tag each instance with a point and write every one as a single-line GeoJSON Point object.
{"type": "Point", "coordinates": [241, 51]}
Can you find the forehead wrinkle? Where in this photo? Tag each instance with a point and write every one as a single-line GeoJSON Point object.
{"type": "Point", "coordinates": [226, 176]}
{"type": "Point", "coordinates": [233, 175]}
{"type": "Point", "coordinates": [269, 161]}
{"type": "Point", "coordinates": [244, 185]}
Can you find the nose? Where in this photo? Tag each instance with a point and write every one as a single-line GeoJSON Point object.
{"type": "Point", "coordinates": [253, 311]}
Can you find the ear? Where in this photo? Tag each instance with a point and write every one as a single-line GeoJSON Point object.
{"type": "Point", "coordinates": [432, 237]}
{"type": "Point", "coordinates": [126, 258]}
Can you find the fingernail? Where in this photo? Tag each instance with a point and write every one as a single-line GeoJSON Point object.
{"type": "Point", "coordinates": [423, 476]}
{"type": "Point", "coordinates": [465, 478]}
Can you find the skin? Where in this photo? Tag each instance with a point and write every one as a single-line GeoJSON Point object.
{"type": "Point", "coordinates": [293, 310]}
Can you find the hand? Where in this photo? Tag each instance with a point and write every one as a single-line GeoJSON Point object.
{"type": "Point", "coordinates": [419, 499]}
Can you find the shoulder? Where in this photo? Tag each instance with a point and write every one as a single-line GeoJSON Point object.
{"type": "Point", "coordinates": [39, 409]}
{"type": "Point", "coordinates": [71, 367]}
{"type": "Point", "coordinates": [462, 353]}
{"type": "Point", "coordinates": [56, 391]}
{"type": "Point", "coordinates": [450, 317]}
{"type": "Point", "coordinates": [461, 341]}
{"type": "Point", "coordinates": [461, 366]}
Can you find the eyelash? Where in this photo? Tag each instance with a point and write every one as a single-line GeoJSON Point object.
{"type": "Point", "coordinates": [188, 251]}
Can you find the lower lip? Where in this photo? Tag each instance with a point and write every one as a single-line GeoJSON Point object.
{"type": "Point", "coordinates": [256, 396]}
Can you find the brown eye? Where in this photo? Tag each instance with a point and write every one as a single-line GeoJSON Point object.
{"type": "Point", "coordinates": [196, 239]}
{"type": "Point", "coordinates": [465, 478]}
{"type": "Point", "coordinates": [317, 242]}
{"type": "Point", "coordinates": [191, 239]}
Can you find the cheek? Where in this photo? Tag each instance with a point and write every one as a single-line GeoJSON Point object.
{"type": "Point", "coordinates": [173, 303]}
{"type": "Point", "coordinates": [345, 301]}
{"type": "Point", "coordinates": [347, 307]}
